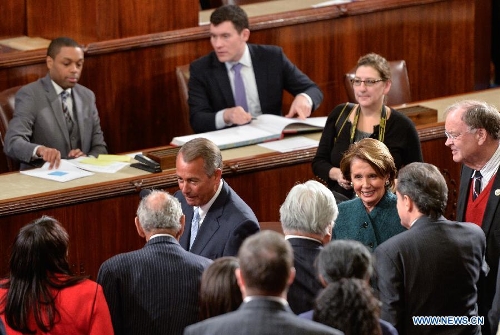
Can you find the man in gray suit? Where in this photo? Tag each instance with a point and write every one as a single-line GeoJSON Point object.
{"type": "Point", "coordinates": [154, 290]}
{"type": "Point", "coordinates": [217, 219]}
{"type": "Point", "coordinates": [432, 269]}
{"type": "Point", "coordinates": [55, 117]}
{"type": "Point", "coordinates": [266, 271]}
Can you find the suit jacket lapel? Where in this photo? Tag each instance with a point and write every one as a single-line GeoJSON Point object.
{"type": "Point", "coordinates": [211, 222]}
{"type": "Point", "coordinates": [465, 178]}
{"type": "Point", "coordinates": [78, 113]}
{"type": "Point", "coordinates": [260, 71]}
{"type": "Point", "coordinates": [491, 206]}
{"type": "Point", "coordinates": [222, 79]}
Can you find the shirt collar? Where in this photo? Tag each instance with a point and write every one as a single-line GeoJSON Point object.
{"type": "Point", "coordinates": [302, 237]}
{"type": "Point", "coordinates": [261, 297]}
{"type": "Point", "coordinates": [203, 210]}
{"type": "Point", "coordinates": [59, 89]}
{"type": "Point", "coordinates": [246, 60]}
{"type": "Point", "coordinates": [491, 167]}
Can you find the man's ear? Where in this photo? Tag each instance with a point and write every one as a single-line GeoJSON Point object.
{"type": "Point", "coordinates": [240, 281]}
{"type": "Point", "coordinates": [50, 62]}
{"type": "Point", "coordinates": [183, 224]}
{"type": "Point", "coordinates": [138, 226]}
{"type": "Point", "coordinates": [291, 277]}
{"type": "Point", "coordinates": [245, 34]}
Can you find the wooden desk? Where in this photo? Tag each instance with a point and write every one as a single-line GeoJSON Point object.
{"type": "Point", "coordinates": [99, 211]}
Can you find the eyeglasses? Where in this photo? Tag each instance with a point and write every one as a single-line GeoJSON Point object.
{"type": "Point", "coordinates": [452, 136]}
{"type": "Point", "coordinates": [368, 82]}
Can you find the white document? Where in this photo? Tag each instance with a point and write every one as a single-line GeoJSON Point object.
{"type": "Point", "coordinates": [291, 144]}
{"type": "Point", "coordinates": [64, 173]}
{"type": "Point", "coordinates": [330, 3]}
{"type": "Point", "coordinates": [266, 127]}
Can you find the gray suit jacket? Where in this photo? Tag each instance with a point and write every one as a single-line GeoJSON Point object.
{"type": "Point", "coordinates": [228, 222]}
{"type": "Point", "coordinates": [38, 120]}
{"type": "Point", "coordinates": [153, 290]}
{"type": "Point", "coordinates": [260, 316]}
{"type": "Point", "coordinates": [210, 89]}
{"type": "Point", "coordinates": [430, 270]}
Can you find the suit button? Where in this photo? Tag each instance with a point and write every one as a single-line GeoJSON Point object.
{"type": "Point", "coordinates": [364, 225]}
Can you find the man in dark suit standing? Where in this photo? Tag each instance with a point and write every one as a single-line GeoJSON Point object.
{"type": "Point", "coordinates": [154, 290]}
{"type": "Point", "coordinates": [238, 81]}
{"type": "Point", "coordinates": [473, 131]}
{"type": "Point", "coordinates": [55, 117]}
{"type": "Point", "coordinates": [217, 219]}
{"type": "Point", "coordinates": [307, 217]}
{"type": "Point", "coordinates": [432, 268]}
{"type": "Point", "coordinates": [265, 273]}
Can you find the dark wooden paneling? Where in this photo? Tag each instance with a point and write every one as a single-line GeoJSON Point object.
{"type": "Point", "coordinates": [93, 20]}
{"type": "Point", "coordinates": [136, 87]}
{"type": "Point", "coordinates": [13, 21]}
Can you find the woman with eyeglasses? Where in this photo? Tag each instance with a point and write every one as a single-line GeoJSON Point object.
{"type": "Point", "coordinates": [369, 118]}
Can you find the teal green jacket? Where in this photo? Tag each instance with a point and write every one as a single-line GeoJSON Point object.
{"type": "Point", "coordinates": [371, 229]}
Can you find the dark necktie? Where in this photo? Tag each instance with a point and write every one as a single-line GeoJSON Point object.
{"type": "Point", "coordinates": [240, 96]}
{"type": "Point", "coordinates": [477, 184]}
{"type": "Point", "coordinates": [67, 116]}
{"type": "Point", "coordinates": [195, 225]}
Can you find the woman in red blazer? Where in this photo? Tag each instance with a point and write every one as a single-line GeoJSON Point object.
{"type": "Point", "coordinates": [41, 295]}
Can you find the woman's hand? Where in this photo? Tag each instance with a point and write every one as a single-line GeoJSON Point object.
{"type": "Point", "coordinates": [336, 174]}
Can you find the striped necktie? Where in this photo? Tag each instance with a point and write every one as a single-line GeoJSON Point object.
{"type": "Point", "coordinates": [67, 116]}
{"type": "Point", "coordinates": [477, 184]}
{"type": "Point", "coordinates": [195, 225]}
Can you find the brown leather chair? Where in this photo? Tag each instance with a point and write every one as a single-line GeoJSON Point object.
{"type": "Point", "coordinates": [400, 92]}
{"type": "Point", "coordinates": [182, 73]}
{"type": "Point", "coordinates": [7, 100]}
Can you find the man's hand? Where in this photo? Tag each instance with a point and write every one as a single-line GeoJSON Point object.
{"type": "Point", "coordinates": [300, 107]}
{"type": "Point", "coordinates": [236, 115]}
{"type": "Point", "coordinates": [75, 153]}
{"type": "Point", "coordinates": [51, 155]}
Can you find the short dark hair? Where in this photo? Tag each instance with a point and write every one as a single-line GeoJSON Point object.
{"type": "Point", "coordinates": [204, 148]}
{"type": "Point", "coordinates": [350, 306]}
{"type": "Point", "coordinates": [424, 184]}
{"type": "Point", "coordinates": [57, 43]}
{"type": "Point", "coordinates": [344, 259]}
{"type": "Point", "coordinates": [230, 13]}
{"type": "Point", "coordinates": [219, 290]}
{"type": "Point", "coordinates": [266, 260]}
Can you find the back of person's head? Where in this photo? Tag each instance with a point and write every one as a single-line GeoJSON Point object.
{"type": "Point", "coordinates": [374, 153]}
{"type": "Point", "coordinates": [231, 13]}
{"type": "Point", "coordinates": [57, 43]}
{"type": "Point", "coordinates": [479, 114]}
{"type": "Point", "coordinates": [309, 208]}
{"type": "Point", "coordinates": [266, 261]}
{"type": "Point", "coordinates": [219, 291]}
{"type": "Point", "coordinates": [38, 265]}
{"type": "Point", "coordinates": [348, 305]}
{"type": "Point", "coordinates": [377, 62]}
{"type": "Point", "coordinates": [425, 185]}
{"type": "Point", "coordinates": [204, 148]}
{"type": "Point", "coordinates": [160, 211]}
{"type": "Point", "coordinates": [344, 259]}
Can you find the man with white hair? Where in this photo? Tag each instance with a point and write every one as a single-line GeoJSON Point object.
{"type": "Point", "coordinates": [307, 217]}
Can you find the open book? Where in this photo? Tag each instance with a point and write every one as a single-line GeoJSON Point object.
{"type": "Point", "coordinates": [266, 127]}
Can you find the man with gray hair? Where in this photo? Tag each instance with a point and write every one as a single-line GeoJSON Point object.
{"type": "Point", "coordinates": [473, 135]}
{"type": "Point", "coordinates": [432, 269]}
{"type": "Point", "coordinates": [154, 290]}
{"type": "Point", "coordinates": [217, 219]}
{"type": "Point", "coordinates": [307, 217]}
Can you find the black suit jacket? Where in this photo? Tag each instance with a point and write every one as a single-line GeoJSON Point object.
{"type": "Point", "coordinates": [210, 89]}
{"type": "Point", "coordinates": [430, 270]}
{"type": "Point", "coordinates": [153, 290]}
{"type": "Point", "coordinates": [491, 228]}
{"type": "Point", "coordinates": [259, 317]}
{"type": "Point", "coordinates": [228, 222]}
{"type": "Point", "coordinates": [306, 285]}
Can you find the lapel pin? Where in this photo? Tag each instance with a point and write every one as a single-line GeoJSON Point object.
{"type": "Point", "coordinates": [497, 192]}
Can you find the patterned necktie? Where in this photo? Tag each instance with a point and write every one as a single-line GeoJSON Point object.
{"type": "Point", "coordinates": [240, 96]}
{"type": "Point", "coordinates": [67, 116]}
{"type": "Point", "coordinates": [195, 225]}
{"type": "Point", "coordinates": [477, 184]}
